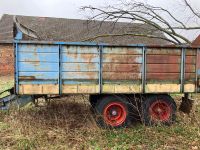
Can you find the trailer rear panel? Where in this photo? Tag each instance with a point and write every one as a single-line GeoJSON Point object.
{"type": "Point", "coordinates": [70, 68]}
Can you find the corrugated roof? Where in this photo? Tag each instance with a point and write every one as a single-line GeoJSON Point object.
{"type": "Point", "coordinates": [75, 30]}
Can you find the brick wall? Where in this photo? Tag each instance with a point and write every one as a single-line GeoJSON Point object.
{"type": "Point", "coordinates": [6, 59]}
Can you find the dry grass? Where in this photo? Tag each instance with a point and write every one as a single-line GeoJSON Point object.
{"type": "Point", "coordinates": [68, 124]}
{"type": "Point", "coordinates": [6, 82]}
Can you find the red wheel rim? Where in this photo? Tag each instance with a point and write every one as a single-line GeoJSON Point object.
{"type": "Point", "coordinates": [114, 114]}
{"type": "Point", "coordinates": [160, 111]}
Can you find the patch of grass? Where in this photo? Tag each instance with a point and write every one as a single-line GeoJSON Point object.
{"type": "Point", "coordinates": [69, 124]}
{"type": "Point", "coordinates": [6, 83]}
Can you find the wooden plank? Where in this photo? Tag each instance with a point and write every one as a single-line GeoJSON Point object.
{"type": "Point", "coordinates": [83, 89]}
{"type": "Point", "coordinates": [80, 75]}
{"type": "Point", "coordinates": [162, 88]}
{"type": "Point", "coordinates": [39, 89]}
{"type": "Point", "coordinates": [164, 51]}
{"type": "Point", "coordinates": [79, 67]}
{"type": "Point", "coordinates": [122, 50]}
{"type": "Point", "coordinates": [122, 88]}
{"type": "Point", "coordinates": [168, 68]}
{"type": "Point", "coordinates": [121, 76]}
{"type": "Point", "coordinates": [85, 58]}
{"type": "Point", "coordinates": [113, 58]}
{"type": "Point", "coordinates": [109, 67]}
{"type": "Point", "coordinates": [189, 87]}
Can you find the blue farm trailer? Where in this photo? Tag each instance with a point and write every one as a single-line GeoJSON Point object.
{"type": "Point", "coordinates": [111, 75]}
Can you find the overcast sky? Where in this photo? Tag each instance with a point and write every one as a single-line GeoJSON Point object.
{"type": "Point", "coordinates": [71, 8]}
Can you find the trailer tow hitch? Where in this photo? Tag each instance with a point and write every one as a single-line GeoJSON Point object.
{"type": "Point", "coordinates": [15, 100]}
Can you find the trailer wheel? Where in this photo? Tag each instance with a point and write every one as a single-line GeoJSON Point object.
{"type": "Point", "coordinates": [112, 111]}
{"type": "Point", "coordinates": [158, 109]}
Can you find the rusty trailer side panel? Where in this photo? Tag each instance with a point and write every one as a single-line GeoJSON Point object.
{"type": "Point", "coordinates": [90, 68]}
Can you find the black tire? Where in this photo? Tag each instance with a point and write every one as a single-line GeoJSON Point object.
{"type": "Point", "coordinates": [158, 109]}
{"type": "Point", "coordinates": [114, 103]}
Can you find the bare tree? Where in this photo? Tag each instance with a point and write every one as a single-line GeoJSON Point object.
{"type": "Point", "coordinates": [158, 18]}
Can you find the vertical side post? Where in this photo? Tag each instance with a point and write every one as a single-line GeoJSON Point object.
{"type": "Point", "coordinates": [182, 69]}
{"type": "Point", "coordinates": [60, 69]}
{"type": "Point", "coordinates": [143, 68]}
{"type": "Point", "coordinates": [16, 69]}
{"type": "Point", "coordinates": [100, 68]}
{"type": "Point", "coordinates": [196, 69]}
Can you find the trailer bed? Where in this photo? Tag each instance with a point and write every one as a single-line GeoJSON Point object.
{"type": "Point", "coordinates": [91, 68]}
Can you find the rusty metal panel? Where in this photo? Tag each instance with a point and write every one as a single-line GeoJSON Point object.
{"type": "Point", "coordinates": [163, 59]}
{"type": "Point", "coordinates": [121, 76]}
{"type": "Point", "coordinates": [81, 58]}
{"type": "Point", "coordinates": [164, 51]}
{"type": "Point", "coordinates": [38, 69]}
{"type": "Point", "coordinates": [123, 50]}
{"type": "Point", "coordinates": [74, 68]}
{"type": "Point", "coordinates": [190, 52]}
{"type": "Point", "coordinates": [112, 67]}
{"type": "Point", "coordinates": [121, 66]}
{"type": "Point", "coordinates": [168, 68]}
{"type": "Point", "coordinates": [75, 49]}
{"type": "Point", "coordinates": [80, 75]}
{"type": "Point", "coordinates": [79, 69]}
{"type": "Point", "coordinates": [169, 76]}
{"type": "Point", "coordinates": [128, 59]}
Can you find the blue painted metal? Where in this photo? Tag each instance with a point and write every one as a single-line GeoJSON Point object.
{"type": "Point", "coordinates": [37, 64]}
{"type": "Point", "coordinates": [39, 75]}
{"type": "Point", "coordinates": [38, 67]}
{"type": "Point", "coordinates": [60, 69]}
{"type": "Point", "coordinates": [37, 48]}
{"type": "Point", "coordinates": [74, 49]}
{"type": "Point", "coordinates": [38, 81]}
{"type": "Point", "coordinates": [100, 68]}
{"type": "Point", "coordinates": [19, 35]}
{"type": "Point", "coordinates": [77, 63]}
{"type": "Point", "coordinates": [16, 70]}
{"type": "Point", "coordinates": [78, 58]}
{"type": "Point", "coordinates": [38, 57]}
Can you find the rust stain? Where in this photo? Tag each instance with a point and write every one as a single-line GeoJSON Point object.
{"type": "Point", "coordinates": [27, 77]}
